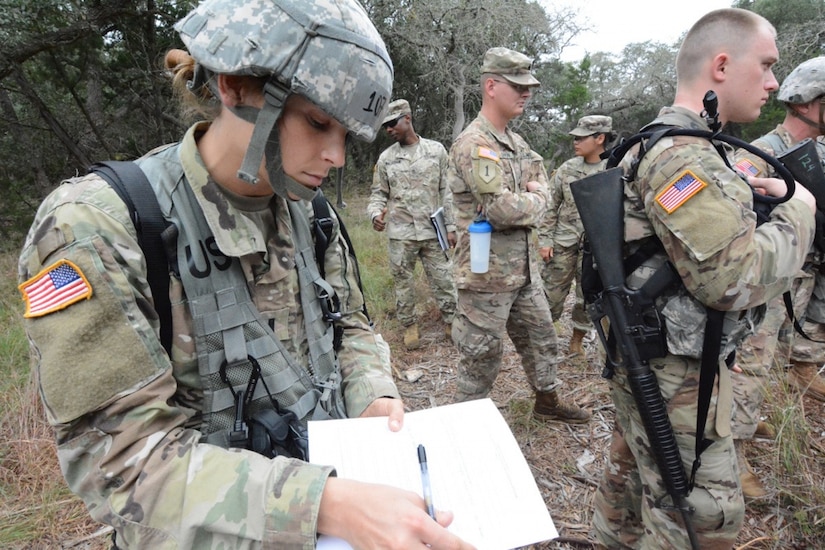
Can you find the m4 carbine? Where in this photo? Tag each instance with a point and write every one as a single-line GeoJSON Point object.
{"type": "Point", "coordinates": [633, 325]}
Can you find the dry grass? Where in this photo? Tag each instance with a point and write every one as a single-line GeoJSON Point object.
{"type": "Point", "coordinates": [36, 510]}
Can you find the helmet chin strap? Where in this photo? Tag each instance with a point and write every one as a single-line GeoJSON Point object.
{"type": "Point", "coordinates": [264, 140]}
{"type": "Point", "coordinates": [820, 126]}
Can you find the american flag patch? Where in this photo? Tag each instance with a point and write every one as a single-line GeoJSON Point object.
{"type": "Point", "coordinates": [56, 287]}
{"type": "Point", "coordinates": [679, 191]}
{"type": "Point", "coordinates": [484, 152]}
{"type": "Point", "coordinates": [747, 167]}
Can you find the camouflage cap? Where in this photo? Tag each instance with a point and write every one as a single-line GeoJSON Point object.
{"type": "Point", "coordinates": [515, 67]}
{"type": "Point", "coordinates": [326, 50]}
{"type": "Point", "coordinates": [397, 108]}
{"type": "Point", "coordinates": [592, 124]}
{"type": "Point", "coordinates": [805, 83]}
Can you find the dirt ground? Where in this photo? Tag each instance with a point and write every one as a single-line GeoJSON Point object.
{"type": "Point", "coordinates": [567, 461]}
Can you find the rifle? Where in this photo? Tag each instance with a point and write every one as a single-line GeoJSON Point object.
{"type": "Point", "coordinates": [804, 164]}
{"type": "Point", "coordinates": [635, 327]}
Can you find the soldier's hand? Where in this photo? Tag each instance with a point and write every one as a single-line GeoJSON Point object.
{"type": "Point", "coordinates": [378, 516]}
{"type": "Point", "coordinates": [451, 239]}
{"type": "Point", "coordinates": [775, 187]}
{"type": "Point", "coordinates": [378, 222]}
{"type": "Point", "coordinates": [546, 253]}
{"type": "Point", "coordinates": [389, 407]}
{"type": "Point", "coordinates": [532, 186]}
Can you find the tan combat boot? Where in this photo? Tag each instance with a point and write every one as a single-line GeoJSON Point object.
{"type": "Point", "coordinates": [752, 487]}
{"type": "Point", "coordinates": [548, 408]}
{"type": "Point", "coordinates": [411, 338]}
{"type": "Point", "coordinates": [805, 378]}
{"type": "Point", "coordinates": [576, 342]}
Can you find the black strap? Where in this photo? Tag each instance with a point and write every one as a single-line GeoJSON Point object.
{"type": "Point", "coordinates": [131, 184]}
{"type": "Point", "coordinates": [323, 226]}
{"type": "Point", "coordinates": [786, 297]}
{"type": "Point", "coordinates": [711, 348]}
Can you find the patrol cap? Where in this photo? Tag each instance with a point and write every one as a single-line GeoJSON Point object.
{"type": "Point", "coordinates": [592, 124]}
{"type": "Point", "coordinates": [515, 67]}
{"type": "Point", "coordinates": [805, 83]}
{"type": "Point", "coordinates": [397, 109]}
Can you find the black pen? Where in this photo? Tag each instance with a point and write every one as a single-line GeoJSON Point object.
{"type": "Point", "coordinates": [425, 481]}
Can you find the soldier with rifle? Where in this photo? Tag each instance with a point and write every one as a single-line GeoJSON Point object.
{"type": "Point", "coordinates": [685, 273]}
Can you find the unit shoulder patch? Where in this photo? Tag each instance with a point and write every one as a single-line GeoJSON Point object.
{"type": "Point", "coordinates": [54, 288]}
{"type": "Point", "coordinates": [679, 191]}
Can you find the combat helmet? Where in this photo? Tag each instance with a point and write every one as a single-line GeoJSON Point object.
{"type": "Point", "coordinates": [325, 50]}
{"type": "Point", "coordinates": [805, 83]}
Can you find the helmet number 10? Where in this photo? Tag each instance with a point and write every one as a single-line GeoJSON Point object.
{"type": "Point", "coordinates": [376, 104]}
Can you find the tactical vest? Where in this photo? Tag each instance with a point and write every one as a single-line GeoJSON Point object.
{"type": "Point", "coordinates": [239, 356]}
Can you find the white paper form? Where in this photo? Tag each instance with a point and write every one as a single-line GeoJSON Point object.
{"type": "Point", "coordinates": [476, 468]}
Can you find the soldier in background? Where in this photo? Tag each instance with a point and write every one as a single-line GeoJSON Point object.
{"type": "Point", "coordinates": [139, 428]}
{"type": "Point", "coordinates": [774, 344]}
{"type": "Point", "coordinates": [688, 204]}
{"type": "Point", "coordinates": [560, 237]}
{"type": "Point", "coordinates": [493, 172]}
{"type": "Point", "coordinates": [408, 185]}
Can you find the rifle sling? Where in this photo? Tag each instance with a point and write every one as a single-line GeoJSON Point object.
{"type": "Point", "coordinates": [788, 299]}
{"type": "Point", "coordinates": [711, 347]}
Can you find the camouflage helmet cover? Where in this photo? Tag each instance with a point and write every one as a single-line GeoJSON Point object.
{"type": "Point", "coordinates": [326, 50]}
{"type": "Point", "coordinates": [805, 83]}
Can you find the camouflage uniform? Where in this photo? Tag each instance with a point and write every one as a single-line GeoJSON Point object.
{"type": "Point", "coordinates": [725, 262]}
{"type": "Point", "coordinates": [408, 181]}
{"type": "Point", "coordinates": [510, 295]}
{"type": "Point", "coordinates": [126, 419]}
{"type": "Point", "coordinates": [124, 411]}
{"type": "Point", "coordinates": [562, 231]}
{"type": "Point", "coordinates": [771, 345]}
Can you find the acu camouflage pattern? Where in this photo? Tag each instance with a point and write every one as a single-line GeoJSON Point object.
{"type": "Point", "coordinates": [397, 109]}
{"type": "Point", "coordinates": [409, 181]}
{"type": "Point", "coordinates": [725, 262]}
{"type": "Point", "coordinates": [509, 297]}
{"type": "Point", "coordinates": [125, 415]}
{"type": "Point", "coordinates": [266, 37]}
{"type": "Point", "coordinates": [805, 83]}
{"type": "Point", "coordinates": [562, 231]}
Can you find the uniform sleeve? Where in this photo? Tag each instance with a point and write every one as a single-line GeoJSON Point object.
{"type": "Point", "coordinates": [110, 394]}
{"type": "Point", "coordinates": [364, 355]}
{"type": "Point", "coordinates": [548, 227]}
{"type": "Point", "coordinates": [380, 190]}
{"type": "Point", "coordinates": [444, 189]}
{"type": "Point", "coordinates": [701, 211]}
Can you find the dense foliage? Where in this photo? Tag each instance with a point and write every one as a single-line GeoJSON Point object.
{"type": "Point", "coordinates": [81, 80]}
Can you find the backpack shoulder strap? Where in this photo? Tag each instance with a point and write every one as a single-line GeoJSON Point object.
{"type": "Point", "coordinates": [131, 184]}
{"type": "Point", "coordinates": [322, 227]}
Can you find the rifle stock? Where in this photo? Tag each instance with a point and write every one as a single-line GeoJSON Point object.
{"type": "Point", "coordinates": [599, 200]}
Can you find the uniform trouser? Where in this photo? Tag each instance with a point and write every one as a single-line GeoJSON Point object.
{"type": "Point", "coordinates": [558, 275]}
{"type": "Point", "coordinates": [625, 510]}
{"type": "Point", "coordinates": [481, 321]}
{"type": "Point", "coordinates": [403, 256]}
{"type": "Point", "coordinates": [772, 346]}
